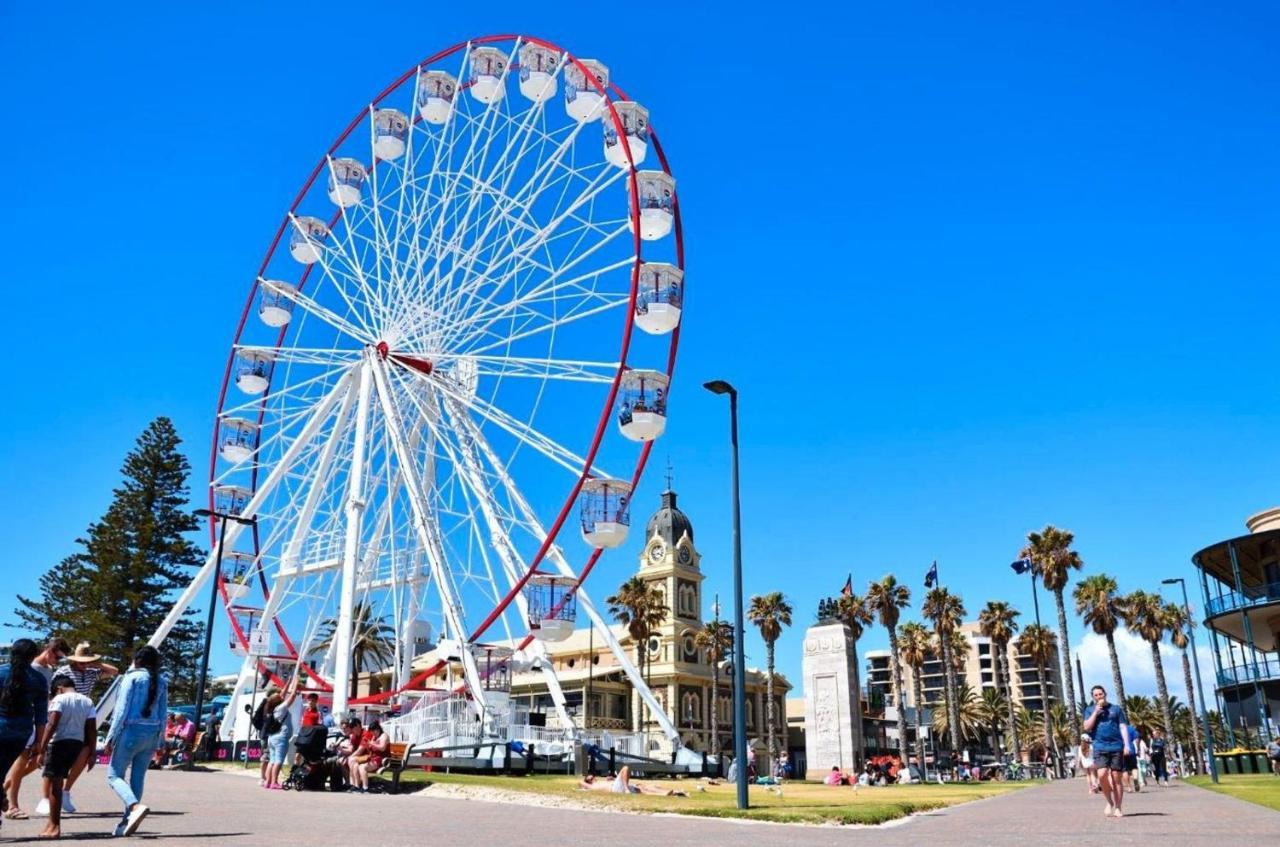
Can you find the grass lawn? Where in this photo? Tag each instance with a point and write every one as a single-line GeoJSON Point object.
{"type": "Point", "coordinates": [799, 802]}
{"type": "Point", "coordinates": [1263, 789]}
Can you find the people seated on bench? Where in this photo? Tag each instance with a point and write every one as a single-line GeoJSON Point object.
{"type": "Point", "coordinates": [179, 740]}
{"type": "Point", "coordinates": [368, 756]}
{"type": "Point", "coordinates": [311, 710]}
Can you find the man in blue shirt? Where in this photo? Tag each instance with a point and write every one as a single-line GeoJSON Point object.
{"type": "Point", "coordinates": [1108, 725]}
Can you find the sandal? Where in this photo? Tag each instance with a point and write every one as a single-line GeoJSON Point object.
{"type": "Point", "coordinates": [16, 814]}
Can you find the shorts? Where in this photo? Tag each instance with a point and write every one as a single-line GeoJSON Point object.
{"type": "Point", "coordinates": [278, 745]}
{"type": "Point", "coordinates": [1130, 762]}
{"type": "Point", "coordinates": [1107, 760]}
{"type": "Point", "coordinates": [61, 757]}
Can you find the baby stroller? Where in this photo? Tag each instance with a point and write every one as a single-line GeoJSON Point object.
{"type": "Point", "coordinates": [316, 766]}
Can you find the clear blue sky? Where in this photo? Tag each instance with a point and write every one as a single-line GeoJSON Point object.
{"type": "Point", "coordinates": [973, 270]}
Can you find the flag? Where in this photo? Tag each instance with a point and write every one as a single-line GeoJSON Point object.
{"type": "Point", "coordinates": [847, 591]}
{"type": "Point", "coordinates": [1021, 566]}
{"type": "Point", "coordinates": [932, 576]}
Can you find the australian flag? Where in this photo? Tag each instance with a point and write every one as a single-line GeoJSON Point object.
{"type": "Point", "coordinates": [932, 576]}
{"type": "Point", "coordinates": [1021, 566]}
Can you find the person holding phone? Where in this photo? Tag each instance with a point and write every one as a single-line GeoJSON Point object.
{"type": "Point", "coordinates": [1109, 726]}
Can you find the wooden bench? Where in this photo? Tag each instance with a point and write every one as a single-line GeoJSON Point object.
{"type": "Point", "coordinates": [397, 756]}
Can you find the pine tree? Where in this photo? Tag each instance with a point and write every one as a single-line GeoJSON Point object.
{"type": "Point", "coordinates": [117, 590]}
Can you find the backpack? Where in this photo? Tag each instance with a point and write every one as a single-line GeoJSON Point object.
{"type": "Point", "coordinates": [273, 725]}
{"type": "Point", "coordinates": [258, 715]}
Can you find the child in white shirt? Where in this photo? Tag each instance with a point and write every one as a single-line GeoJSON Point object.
{"type": "Point", "coordinates": [73, 723]}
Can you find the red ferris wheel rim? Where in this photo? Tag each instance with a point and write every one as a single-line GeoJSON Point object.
{"type": "Point", "coordinates": [612, 95]}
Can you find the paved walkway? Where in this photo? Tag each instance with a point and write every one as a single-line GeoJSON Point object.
{"type": "Point", "coordinates": [229, 809]}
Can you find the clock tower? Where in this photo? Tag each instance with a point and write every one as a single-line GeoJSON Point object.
{"type": "Point", "coordinates": [670, 562]}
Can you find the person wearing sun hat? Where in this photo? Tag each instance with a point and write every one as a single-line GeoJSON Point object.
{"type": "Point", "coordinates": [85, 668]}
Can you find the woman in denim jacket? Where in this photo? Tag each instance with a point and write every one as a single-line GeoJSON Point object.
{"type": "Point", "coordinates": [137, 729]}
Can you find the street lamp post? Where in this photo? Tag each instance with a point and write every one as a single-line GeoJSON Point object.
{"type": "Point", "coordinates": [719, 386]}
{"type": "Point", "coordinates": [213, 600]}
{"type": "Point", "coordinates": [1195, 661]}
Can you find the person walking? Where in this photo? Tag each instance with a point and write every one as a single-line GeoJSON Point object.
{"type": "Point", "coordinates": [84, 668]}
{"type": "Point", "coordinates": [24, 701]}
{"type": "Point", "coordinates": [1108, 726]}
{"type": "Point", "coordinates": [1159, 759]}
{"type": "Point", "coordinates": [45, 664]}
{"type": "Point", "coordinates": [72, 723]}
{"type": "Point", "coordinates": [1273, 755]}
{"type": "Point", "coordinates": [137, 729]}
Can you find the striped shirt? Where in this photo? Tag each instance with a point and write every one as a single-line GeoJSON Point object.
{"type": "Point", "coordinates": [84, 677]}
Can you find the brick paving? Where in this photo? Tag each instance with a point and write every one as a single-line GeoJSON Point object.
{"type": "Point", "coordinates": [229, 809]}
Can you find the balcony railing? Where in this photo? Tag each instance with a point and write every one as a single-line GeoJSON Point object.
{"type": "Point", "coordinates": [1245, 674]}
{"type": "Point", "coordinates": [1261, 595]}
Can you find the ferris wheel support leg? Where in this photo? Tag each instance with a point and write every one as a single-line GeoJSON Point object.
{"type": "Point", "coordinates": [584, 602]}
{"type": "Point", "coordinates": [251, 508]}
{"type": "Point", "coordinates": [343, 671]}
{"type": "Point", "coordinates": [452, 612]}
{"type": "Point", "coordinates": [248, 668]}
{"type": "Point", "coordinates": [506, 555]}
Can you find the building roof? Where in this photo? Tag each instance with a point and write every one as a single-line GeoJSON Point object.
{"type": "Point", "coordinates": [669, 522]}
{"type": "Point", "coordinates": [1252, 552]}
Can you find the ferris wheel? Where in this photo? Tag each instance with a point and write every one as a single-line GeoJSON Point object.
{"type": "Point", "coordinates": [437, 366]}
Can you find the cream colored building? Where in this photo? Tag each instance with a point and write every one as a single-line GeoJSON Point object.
{"type": "Point", "coordinates": [679, 674]}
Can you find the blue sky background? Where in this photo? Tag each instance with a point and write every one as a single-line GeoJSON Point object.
{"type": "Point", "coordinates": [973, 269]}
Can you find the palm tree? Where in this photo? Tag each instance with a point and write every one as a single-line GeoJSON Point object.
{"type": "Point", "coordinates": [1142, 713]}
{"type": "Point", "coordinates": [1098, 601]}
{"type": "Point", "coordinates": [1029, 729]}
{"type": "Point", "coordinates": [999, 621]}
{"type": "Point", "coordinates": [640, 607]}
{"type": "Point", "coordinates": [1178, 625]}
{"type": "Point", "coordinates": [372, 642]}
{"type": "Point", "coordinates": [1051, 555]}
{"type": "Point", "coordinates": [915, 645]}
{"type": "Point", "coordinates": [993, 708]}
{"type": "Point", "coordinates": [1063, 733]}
{"type": "Point", "coordinates": [715, 639]}
{"type": "Point", "coordinates": [946, 610]}
{"type": "Point", "coordinates": [887, 598]}
{"type": "Point", "coordinates": [1038, 643]}
{"type": "Point", "coordinates": [971, 720]}
{"type": "Point", "coordinates": [1146, 615]}
{"type": "Point", "coordinates": [770, 612]}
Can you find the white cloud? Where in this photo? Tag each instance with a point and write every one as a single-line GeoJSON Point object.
{"type": "Point", "coordinates": [1135, 664]}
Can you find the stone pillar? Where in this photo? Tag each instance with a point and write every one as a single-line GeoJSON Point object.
{"type": "Point", "coordinates": [832, 707]}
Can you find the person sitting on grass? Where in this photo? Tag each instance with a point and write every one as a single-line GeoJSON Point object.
{"type": "Point", "coordinates": [72, 724]}
{"type": "Point", "coordinates": [835, 777]}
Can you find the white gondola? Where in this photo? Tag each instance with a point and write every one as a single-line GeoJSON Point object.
{"type": "Point", "coordinates": [642, 405]}
{"type": "Point", "coordinates": [635, 123]}
{"type": "Point", "coordinates": [390, 133]}
{"type": "Point", "coordinates": [552, 603]}
{"type": "Point", "coordinates": [230, 499]}
{"type": "Point", "coordinates": [235, 574]}
{"type": "Point", "coordinates": [605, 507]}
{"type": "Point", "coordinates": [582, 100]}
{"type": "Point", "coordinates": [247, 620]}
{"type": "Point", "coordinates": [346, 178]}
{"type": "Point", "coordinates": [659, 297]}
{"type": "Point", "coordinates": [657, 204]}
{"type": "Point", "coordinates": [488, 70]}
{"type": "Point", "coordinates": [306, 240]}
{"type": "Point", "coordinates": [538, 67]}
{"type": "Point", "coordinates": [494, 663]}
{"type": "Point", "coordinates": [253, 371]}
{"type": "Point", "coordinates": [436, 90]}
{"type": "Point", "coordinates": [276, 305]}
{"type": "Point", "coordinates": [237, 439]}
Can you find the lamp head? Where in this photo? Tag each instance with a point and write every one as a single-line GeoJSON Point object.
{"type": "Point", "coordinates": [719, 386]}
{"type": "Point", "coordinates": [203, 513]}
{"type": "Point", "coordinates": [1173, 581]}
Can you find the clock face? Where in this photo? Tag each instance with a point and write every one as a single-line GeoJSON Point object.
{"type": "Point", "coordinates": [685, 556]}
{"type": "Point", "coordinates": [655, 553]}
